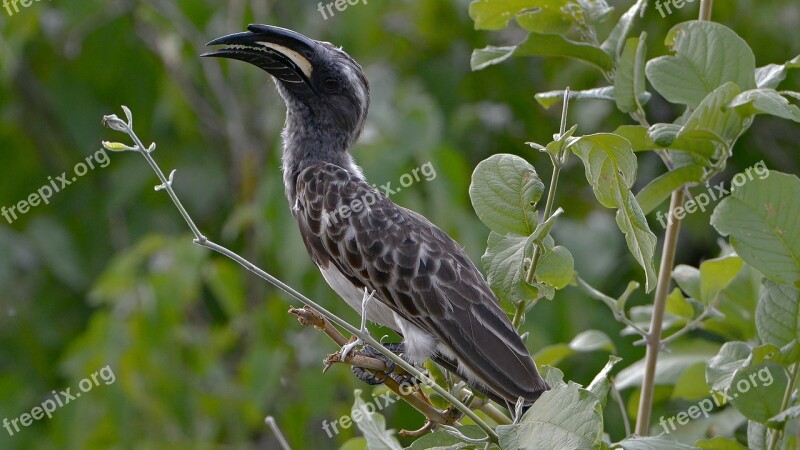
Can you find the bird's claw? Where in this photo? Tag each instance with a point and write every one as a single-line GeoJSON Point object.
{"type": "Point", "coordinates": [378, 378]}
{"type": "Point", "coordinates": [347, 348]}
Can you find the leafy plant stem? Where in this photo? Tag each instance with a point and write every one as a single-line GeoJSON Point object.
{"type": "Point", "coordinates": [659, 305]}
{"type": "Point", "coordinates": [519, 313]}
{"type": "Point", "coordinates": [787, 396]}
{"type": "Point", "coordinates": [558, 162]}
{"type": "Point", "coordinates": [689, 326]}
{"type": "Point", "coordinates": [115, 123]}
{"type": "Point", "coordinates": [619, 314]}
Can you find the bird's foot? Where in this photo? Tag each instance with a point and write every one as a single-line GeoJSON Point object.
{"type": "Point", "coordinates": [374, 378]}
{"type": "Point", "coordinates": [347, 348]}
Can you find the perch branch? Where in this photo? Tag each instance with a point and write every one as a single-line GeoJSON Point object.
{"type": "Point", "coordinates": [117, 124]}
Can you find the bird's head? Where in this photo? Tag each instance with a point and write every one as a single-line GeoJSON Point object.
{"type": "Point", "coordinates": [324, 88]}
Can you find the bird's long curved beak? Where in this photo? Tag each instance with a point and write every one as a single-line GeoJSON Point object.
{"type": "Point", "coordinates": [284, 54]}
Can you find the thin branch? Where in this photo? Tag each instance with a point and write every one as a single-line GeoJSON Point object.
{"type": "Point", "coordinates": [662, 288]}
{"type": "Point", "coordinates": [270, 421]}
{"type": "Point", "coordinates": [656, 321]}
{"type": "Point", "coordinates": [613, 304]}
{"type": "Point", "coordinates": [775, 436]}
{"type": "Point", "coordinates": [308, 317]}
{"type": "Point", "coordinates": [618, 398]}
{"type": "Point", "coordinates": [115, 123]}
{"type": "Point", "coordinates": [558, 163]}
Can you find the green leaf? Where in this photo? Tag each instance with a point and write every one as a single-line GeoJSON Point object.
{"type": "Point", "coordinates": [356, 443]}
{"type": "Point", "coordinates": [611, 169]}
{"type": "Point", "coordinates": [495, 14]}
{"type": "Point", "coordinates": [542, 45]}
{"type": "Point", "coordinates": [552, 376]}
{"type": "Point", "coordinates": [566, 416]}
{"type": "Point", "coordinates": [707, 55]}
{"type": "Point", "coordinates": [758, 391]}
{"type": "Point", "coordinates": [438, 376]}
{"type": "Point", "coordinates": [679, 306]}
{"type": "Point", "coordinates": [547, 17]}
{"type": "Point", "coordinates": [629, 80]}
{"type": "Point", "coordinates": [587, 341]}
{"type": "Point", "coordinates": [668, 370]}
{"type": "Point", "coordinates": [591, 340]}
{"type": "Point", "coordinates": [600, 385]}
{"type": "Point", "coordinates": [778, 314]}
{"type": "Point", "coordinates": [614, 42]}
{"type": "Point", "coordinates": [664, 134]}
{"type": "Point", "coordinates": [691, 385]}
{"type": "Point", "coordinates": [490, 55]}
{"type": "Point", "coordinates": [771, 75]}
{"type": "Point", "coordinates": [556, 268]}
{"type": "Point", "coordinates": [694, 141]}
{"type": "Point", "coordinates": [372, 425]}
{"type": "Point", "coordinates": [443, 439]}
{"type": "Point", "coordinates": [785, 356]}
{"type": "Point", "coordinates": [504, 193]}
{"type": "Point", "coordinates": [552, 354]}
{"type": "Point", "coordinates": [543, 229]}
{"type": "Point", "coordinates": [761, 219]}
{"type": "Point", "coordinates": [550, 98]}
{"type": "Point", "coordinates": [781, 418]}
{"type": "Point", "coordinates": [688, 279]}
{"type": "Point", "coordinates": [660, 189]}
{"type": "Point", "coordinates": [757, 435]}
{"type": "Point", "coordinates": [715, 274]}
{"type": "Point", "coordinates": [651, 443]}
{"type": "Point", "coordinates": [720, 443]}
{"type": "Point", "coordinates": [791, 94]}
{"type": "Point", "coordinates": [504, 262]}
{"type": "Point", "coordinates": [736, 303]}
{"type": "Point", "coordinates": [765, 101]}
{"type": "Point", "coordinates": [721, 368]}
{"type": "Point", "coordinates": [714, 116]}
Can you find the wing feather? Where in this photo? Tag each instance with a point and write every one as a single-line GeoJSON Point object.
{"type": "Point", "coordinates": [416, 270]}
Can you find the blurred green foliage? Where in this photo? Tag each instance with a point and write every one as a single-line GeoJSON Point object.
{"type": "Point", "coordinates": [106, 274]}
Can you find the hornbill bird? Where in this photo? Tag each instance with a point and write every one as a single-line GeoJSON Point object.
{"type": "Point", "coordinates": [427, 289]}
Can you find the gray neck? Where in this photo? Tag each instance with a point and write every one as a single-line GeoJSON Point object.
{"type": "Point", "coordinates": [307, 138]}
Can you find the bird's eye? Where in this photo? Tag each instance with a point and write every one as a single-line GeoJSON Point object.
{"type": "Point", "coordinates": [331, 84]}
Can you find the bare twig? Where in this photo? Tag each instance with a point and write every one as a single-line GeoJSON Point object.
{"type": "Point", "coordinates": [656, 322]}
{"type": "Point", "coordinates": [270, 421]}
{"type": "Point", "coordinates": [662, 289]}
{"type": "Point", "coordinates": [115, 123]}
{"type": "Point", "coordinates": [618, 398]}
{"type": "Point", "coordinates": [308, 317]}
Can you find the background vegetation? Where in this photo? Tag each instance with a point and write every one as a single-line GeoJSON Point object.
{"type": "Point", "coordinates": [106, 273]}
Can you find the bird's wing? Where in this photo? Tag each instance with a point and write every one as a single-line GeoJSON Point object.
{"type": "Point", "coordinates": [418, 271]}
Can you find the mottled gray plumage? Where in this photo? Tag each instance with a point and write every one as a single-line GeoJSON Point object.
{"type": "Point", "coordinates": [427, 288]}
